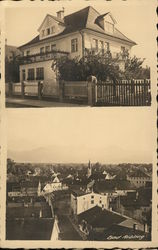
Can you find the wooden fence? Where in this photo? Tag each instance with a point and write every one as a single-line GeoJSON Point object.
{"type": "Point", "coordinates": [123, 93]}
{"type": "Point", "coordinates": [101, 93]}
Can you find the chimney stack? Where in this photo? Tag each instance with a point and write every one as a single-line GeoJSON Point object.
{"type": "Point", "coordinates": [60, 14]}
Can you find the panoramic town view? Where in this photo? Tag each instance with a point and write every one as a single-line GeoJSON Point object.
{"type": "Point", "coordinates": [90, 201]}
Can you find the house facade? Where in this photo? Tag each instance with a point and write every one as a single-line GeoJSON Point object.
{"type": "Point", "coordinates": [81, 201]}
{"type": "Point", "coordinates": [73, 35]}
{"type": "Point", "coordinates": [52, 186]}
{"type": "Point", "coordinates": [139, 178]}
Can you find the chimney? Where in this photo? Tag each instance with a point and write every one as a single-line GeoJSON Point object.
{"type": "Point", "coordinates": [60, 13]}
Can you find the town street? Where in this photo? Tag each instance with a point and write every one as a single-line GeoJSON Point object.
{"type": "Point", "coordinates": [32, 103]}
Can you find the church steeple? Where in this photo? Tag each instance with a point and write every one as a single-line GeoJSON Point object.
{"type": "Point", "coordinates": [39, 189]}
{"type": "Point", "coordinates": [89, 170]}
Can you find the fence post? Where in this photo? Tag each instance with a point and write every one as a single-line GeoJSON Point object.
{"type": "Point", "coordinates": [40, 90]}
{"type": "Point", "coordinates": [91, 81]}
{"type": "Point", "coordinates": [61, 90]}
{"type": "Point", "coordinates": [23, 89]}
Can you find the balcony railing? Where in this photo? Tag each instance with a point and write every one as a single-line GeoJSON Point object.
{"type": "Point", "coordinates": [40, 57]}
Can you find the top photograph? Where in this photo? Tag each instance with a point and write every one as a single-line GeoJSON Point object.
{"type": "Point", "coordinates": [78, 55]}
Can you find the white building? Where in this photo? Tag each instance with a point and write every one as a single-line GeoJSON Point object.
{"type": "Point", "coordinates": [81, 201]}
{"type": "Point", "coordinates": [139, 178]}
{"type": "Point", "coordinates": [54, 185]}
{"type": "Point", "coordinates": [74, 34]}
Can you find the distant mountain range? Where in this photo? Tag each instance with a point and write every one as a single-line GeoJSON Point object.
{"type": "Point", "coordinates": [64, 154]}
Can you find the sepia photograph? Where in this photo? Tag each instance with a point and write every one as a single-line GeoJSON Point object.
{"type": "Point", "coordinates": [73, 184]}
{"type": "Point", "coordinates": [78, 124]}
{"type": "Point", "coordinates": [92, 53]}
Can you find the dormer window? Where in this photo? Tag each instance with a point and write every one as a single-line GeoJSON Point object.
{"type": "Point", "coordinates": [109, 27]}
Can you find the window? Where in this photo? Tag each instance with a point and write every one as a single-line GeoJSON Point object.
{"type": "Point", "coordinates": [101, 46]}
{"type": "Point", "coordinates": [53, 47]}
{"type": "Point", "coordinates": [52, 29]}
{"type": "Point", "coordinates": [122, 49]}
{"type": "Point", "coordinates": [100, 201]}
{"type": "Point", "coordinates": [107, 47]}
{"type": "Point", "coordinates": [40, 74]}
{"type": "Point", "coordinates": [74, 45]}
{"type": "Point", "coordinates": [92, 201]}
{"type": "Point", "coordinates": [109, 27]}
{"type": "Point", "coordinates": [31, 74]}
{"type": "Point", "coordinates": [27, 52]}
{"type": "Point", "coordinates": [41, 51]}
{"type": "Point", "coordinates": [23, 75]}
{"type": "Point", "coordinates": [43, 33]}
{"type": "Point", "coordinates": [92, 196]}
{"type": "Point", "coordinates": [47, 50]}
{"type": "Point", "coordinates": [95, 44]}
{"type": "Point", "coordinates": [48, 31]}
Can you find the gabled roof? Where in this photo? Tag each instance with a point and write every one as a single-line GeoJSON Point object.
{"type": "Point", "coordinates": [82, 19]}
{"type": "Point", "coordinates": [103, 186]}
{"type": "Point", "coordinates": [139, 173]}
{"type": "Point", "coordinates": [51, 16]}
{"type": "Point", "coordinates": [96, 217]}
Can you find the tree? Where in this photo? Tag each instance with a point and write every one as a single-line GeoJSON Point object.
{"type": "Point", "coordinates": [99, 65]}
{"type": "Point", "coordinates": [12, 68]}
{"type": "Point", "coordinates": [134, 68]}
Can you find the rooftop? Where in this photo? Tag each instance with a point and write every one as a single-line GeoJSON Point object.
{"type": "Point", "coordinates": [138, 173]}
{"type": "Point", "coordinates": [98, 218]}
{"type": "Point", "coordinates": [83, 19]}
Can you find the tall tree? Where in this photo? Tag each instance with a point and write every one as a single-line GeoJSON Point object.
{"type": "Point", "coordinates": [12, 68]}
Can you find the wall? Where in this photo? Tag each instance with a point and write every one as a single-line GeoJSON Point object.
{"type": "Point", "coordinates": [48, 23]}
{"type": "Point", "coordinates": [83, 202]}
{"type": "Point", "coordinates": [115, 46]}
{"type": "Point", "coordinates": [62, 44]}
{"type": "Point", "coordinates": [138, 181]}
{"type": "Point", "coordinates": [50, 84]}
{"type": "Point", "coordinates": [55, 230]}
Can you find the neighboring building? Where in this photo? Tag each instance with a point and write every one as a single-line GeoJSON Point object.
{"type": "Point", "coordinates": [54, 185]}
{"type": "Point", "coordinates": [81, 201]}
{"type": "Point", "coordinates": [11, 52]}
{"type": "Point", "coordinates": [74, 34]}
{"type": "Point", "coordinates": [30, 220]}
{"type": "Point", "coordinates": [139, 178]}
{"type": "Point", "coordinates": [114, 187]}
{"type": "Point", "coordinates": [137, 206]}
{"type": "Point", "coordinates": [99, 221]}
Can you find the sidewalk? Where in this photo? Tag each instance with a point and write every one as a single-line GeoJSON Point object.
{"type": "Point", "coordinates": [32, 103]}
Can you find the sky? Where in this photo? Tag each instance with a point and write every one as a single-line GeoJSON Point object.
{"type": "Point", "coordinates": [112, 135]}
{"type": "Point", "coordinates": [135, 19]}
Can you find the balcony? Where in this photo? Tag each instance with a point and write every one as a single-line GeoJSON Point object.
{"type": "Point", "coordinates": [41, 57]}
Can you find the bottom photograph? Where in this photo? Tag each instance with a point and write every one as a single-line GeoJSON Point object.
{"type": "Point", "coordinates": [77, 182]}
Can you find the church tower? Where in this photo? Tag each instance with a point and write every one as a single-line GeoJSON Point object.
{"type": "Point", "coordinates": [89, 170]}
{"type": "Point", "coordinates": [39, 189]}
